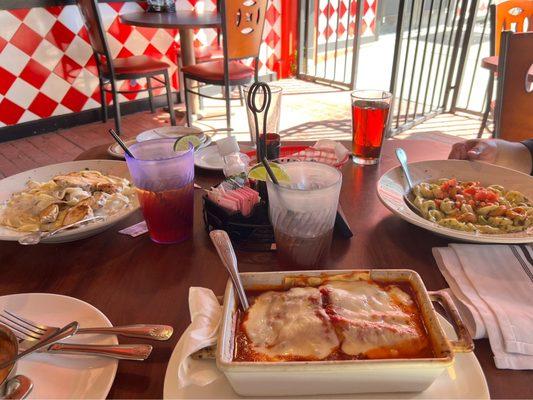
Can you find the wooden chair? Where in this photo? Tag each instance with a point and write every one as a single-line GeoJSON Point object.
{"type": "Point", "coordinates": [242, 31]}
{"type": "Point", "coordinates": [513, 15]}
{"type": "Point", "coordinates": [112, 70]}
{"type": "Point", "coordinates": [514, 102]}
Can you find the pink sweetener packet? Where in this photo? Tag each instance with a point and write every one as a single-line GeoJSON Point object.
{"type": "Point", "coordinates": [235, 197]}
{"type": "Point", "coordinates": [247, 208]}
{"type": "Point", "coordinates": [253, 194]}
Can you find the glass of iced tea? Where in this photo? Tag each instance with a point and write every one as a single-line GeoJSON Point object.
{"type": "Point", "coordinates": [165, 186]}
{"type": "Point", "coordinates": [303, 211]}
{"type": "Point", "coordinates": [370, 112]}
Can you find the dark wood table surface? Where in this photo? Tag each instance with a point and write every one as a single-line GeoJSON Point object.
{"type": "Point", "coordinates": [133, 280]}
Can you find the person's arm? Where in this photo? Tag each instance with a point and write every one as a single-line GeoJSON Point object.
{"type": "Point", "coordinates": [529, 144]}
{"type": "Point", "coordinates": [512, 155]}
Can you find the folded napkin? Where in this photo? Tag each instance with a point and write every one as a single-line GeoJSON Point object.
{"type": "Point", "coordinates": [206, 313]}
{"type": "Point", "coordinates": [492, 286]}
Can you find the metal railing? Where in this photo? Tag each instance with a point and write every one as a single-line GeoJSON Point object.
{"type": "Point", "coordinates": [331, 32]}
{"type": "Point", "coordinates": [471, 93]}
{"type": "Point", "coordinates": [438, 46]}
{"type": "Point", "coordinates": [429, 58]}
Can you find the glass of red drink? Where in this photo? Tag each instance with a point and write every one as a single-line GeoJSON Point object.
{"type": "Point", "coordinates": [370, 112]}
{"type": "Point", "coordinates": [165, 186]}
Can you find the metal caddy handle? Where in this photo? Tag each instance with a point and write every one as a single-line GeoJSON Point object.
{"type": "Point", "coordinates": [464, 343]}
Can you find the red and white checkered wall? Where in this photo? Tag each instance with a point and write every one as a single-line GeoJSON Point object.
{"type": "Point", "coordinates": [46, 63]}
{"type": "Point", "coordinates": [336, 19]}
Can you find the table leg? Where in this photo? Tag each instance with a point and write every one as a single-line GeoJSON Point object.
{"type": "Point", "coordinates": [187, 58]}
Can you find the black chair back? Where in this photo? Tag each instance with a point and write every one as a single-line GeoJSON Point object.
{"type": "Point", "coordinates": [95, 28]}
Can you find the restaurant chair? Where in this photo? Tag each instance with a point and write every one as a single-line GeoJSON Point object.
{"type": "Point", "coordinates": [129, 68]}
{"type": "Point", "coordinates": [514, 101]}
{"type": "Point", "coordinates": [242, 31]}
{"type": "Point", "coordinates": [515, 15]}
{"type": "Point", "coordinates": [201, 54]}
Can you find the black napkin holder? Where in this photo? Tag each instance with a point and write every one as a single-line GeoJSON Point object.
{"type": "Point", "coordinates": [253, 232]}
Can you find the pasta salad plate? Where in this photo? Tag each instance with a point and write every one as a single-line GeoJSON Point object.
{"type": "Point", "coordinates": [464, 200]}
{"type": "Point", "coordinates": [47, 198]}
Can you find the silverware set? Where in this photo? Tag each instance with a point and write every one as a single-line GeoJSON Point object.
{"type": "Point", "coordinates": [35, 336]}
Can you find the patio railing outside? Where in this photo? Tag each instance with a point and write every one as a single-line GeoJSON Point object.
{"type": "Point", "coordinates": [427, 52]}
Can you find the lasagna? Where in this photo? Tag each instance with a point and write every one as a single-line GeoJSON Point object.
{"type": "Point", "coordinates": [336, 320]}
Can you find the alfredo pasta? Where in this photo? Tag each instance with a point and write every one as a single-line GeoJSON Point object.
{"type": "Point", "coordinates": [64, 200]}
{"type": "Point", "coordinates": [468, 206]}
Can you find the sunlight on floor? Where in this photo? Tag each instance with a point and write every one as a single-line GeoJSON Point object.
{"type": "Point", "coordinates": [311, 112]}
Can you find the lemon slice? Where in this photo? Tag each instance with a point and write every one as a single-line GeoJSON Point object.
{"type": "Point", "coordinates": [183, 143]}
{"type": "Point", "coordinates": [259, 172]}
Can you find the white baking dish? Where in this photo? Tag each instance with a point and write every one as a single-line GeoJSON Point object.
{"type": "Point", "coordinates": [339, 377]}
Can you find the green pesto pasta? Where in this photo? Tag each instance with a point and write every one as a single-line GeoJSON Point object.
{"type": "Point", "coordinates": [470, 207]}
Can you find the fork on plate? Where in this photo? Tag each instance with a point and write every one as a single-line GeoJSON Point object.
{"type": "Point", "coordinates": [36, 330]}
{"type": "Point", "coordinates": [29, 332]}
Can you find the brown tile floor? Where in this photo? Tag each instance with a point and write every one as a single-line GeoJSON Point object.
{"type": "Point", "coordinates": [309, 112]}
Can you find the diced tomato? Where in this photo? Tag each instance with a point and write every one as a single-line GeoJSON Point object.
{"type": "Point", "coordinates": [486, 195]}
{"type": "Point", "coordinates": [438, 202]}
{"type": "Point", "coordinates": [449, 184]}
{"type": "Point", "coordinates": [472, 203]}
{"type": "Point", "coordinates": [470, 191]}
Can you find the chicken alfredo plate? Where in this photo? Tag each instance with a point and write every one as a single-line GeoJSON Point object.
{"type": "Point", "coordinates": [66, 199]}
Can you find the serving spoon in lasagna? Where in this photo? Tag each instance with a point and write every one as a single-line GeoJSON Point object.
{"type": "Point", "coordinates": [226, 253]}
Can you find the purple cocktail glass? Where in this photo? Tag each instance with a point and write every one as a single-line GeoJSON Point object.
{"type": "Point", "coordinates": [165, 186]}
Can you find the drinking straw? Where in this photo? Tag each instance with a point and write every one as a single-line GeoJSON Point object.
{"type": "Point", "coordinates": [120, 142]}
{"type": "Point", "coordinates": [270, 172]}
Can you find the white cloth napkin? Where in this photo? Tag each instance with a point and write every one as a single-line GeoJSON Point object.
{"type": "Point", "coordinates": [206, 313]}
{"type": "Point", "coordinates": [493, 288]}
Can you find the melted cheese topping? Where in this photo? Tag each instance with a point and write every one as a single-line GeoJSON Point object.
{"type": "Point", "coordinates": [338, 320]}
{"type": "Point", "coordinates": [290, 324]}
{"type": "Point", "coordinates": [370, 318]}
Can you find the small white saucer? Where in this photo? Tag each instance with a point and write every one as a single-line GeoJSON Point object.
{"type": "Point", "coordinates": [116, 151]}
{"type": "Point", "coordinates": [210, 158]}
{"type": "Point", "coordinates": [57, 376]}
{"type": "Point", "coordinates": [171, 132]}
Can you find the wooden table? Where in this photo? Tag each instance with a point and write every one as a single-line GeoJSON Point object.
{"type": "Point", "coordinates": [185, 21]}
{"type": "Point", "coordinates": [133, 280]}
{"type": "Point", "coordinates": [491, 63]}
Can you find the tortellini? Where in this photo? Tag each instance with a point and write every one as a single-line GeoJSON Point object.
{"type": "Point", "coordinates": [470, 207]}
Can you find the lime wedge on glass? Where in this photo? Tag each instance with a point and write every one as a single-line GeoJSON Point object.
{"type": "Point", "coordinates": [182, 144]}
{"type": "Point", "coordinates": [259, 172]}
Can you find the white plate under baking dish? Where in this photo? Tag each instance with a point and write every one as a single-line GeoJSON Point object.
{"type": "Point", "coordinates": [57, 376]}
{"type": "Point", "coordinates": [465, 380]}
{"type": "Point", "coordinates": [392, 186]}
{"type": "Point", "coordinates": [16, 183]}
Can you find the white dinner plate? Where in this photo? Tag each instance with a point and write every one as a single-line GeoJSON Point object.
{"type": "Point", "coordinates": [465, 380]}
{"type": "Point", "coordinates": [115, 150]}
{"type": "Point", "coordinates": [392, 186]}
{"type": "Point", "coordinates": [16, 183]}
{"type": "Point", "coordinates": [210, 158]}
{"type": "Point", "coordinates": [171, 132]}
{"type": "Point", "coordinates": [57, 376]}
